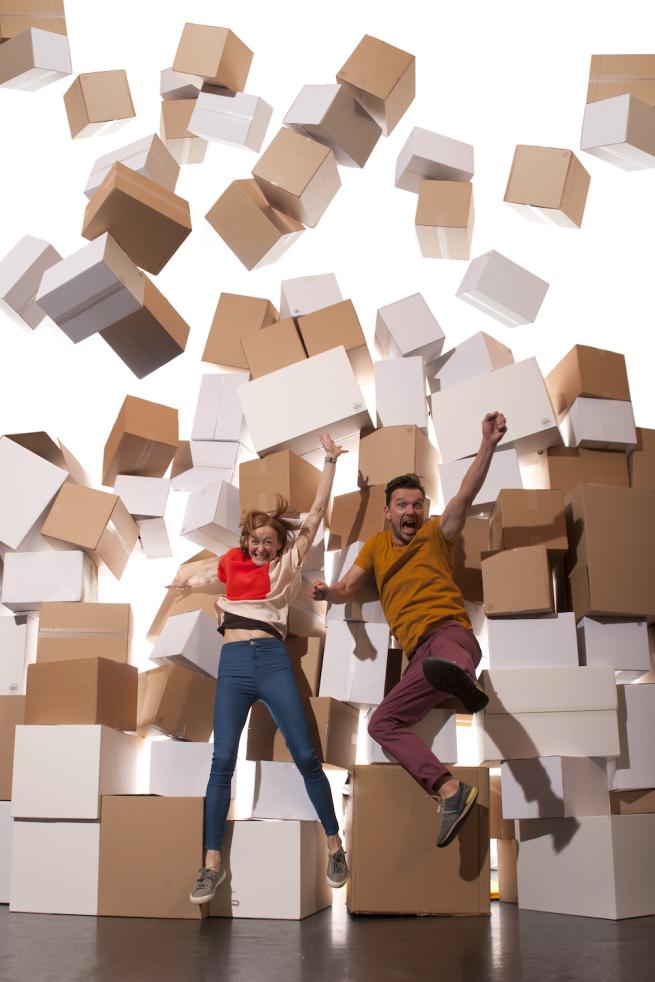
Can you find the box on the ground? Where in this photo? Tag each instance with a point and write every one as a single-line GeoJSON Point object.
{"type": "Point", "coordinates": [54, 867]}
{"type": "Point", "coordinates": [20, 277]}
{"type": "Point", "coordinates": [504, 472]}
{"type": "Point", "coordinates": [633, 802]}
{"type": "Point", "coordinates": [599, 424]}
{"type": "Point", "coordinates": [85, 690]}
{"type": "Point", "coordinates": [622, 644]}
{"type": "Point", "coordinates": [444, 219]}
{"type": "Point", "coordinates": [95, 99]}
{"type": "Point", "coordinates": [408, 327]}
{"type": "Point", "coordinates": [548, 184]}
{"type": "Point", "coordinates": [231, 117]}
{"type": "Point", "coordinates": [566, 467]}
{"type": "Point", "coordinates": [33, 578]}
{"type": "Point", "coordinates": [29, 483]}
{"type": "Point", "coordinates": [235, 317]}
{"type": "Point", "coordinates": [337, 325]}
{"type": "Point", "coordinates": [394, 450]}
{"type": "Point", "coordinates": [619, 130]}
{"type": "Point", "coordinates": [212, 515]}
{"type": "Point", "coordinates": [400, 392]}
{"type": "Point", "coordinates": [21, 15]}
{"type": "Point", "coordinates": [143, 440]}
{"type": "Point", "coordinates": [178, 701]}
{"type": "Point", "coordinates": [283, 473]}
{"type": "Point", "coordinates": [437, 730]}
{"type": "Point", "coordinates": [174, 120]}
{"type": "Point", "coordinates": [516, 582]}
{"type": "Point", "coordinates": [392, 822]}
{"type": "Point", "coordinates": [84, 630]}
{"type": "Point", "coordinates": [382, 78]}
{"type": "Point", "coordinates": [499, 827]}
{"type": "Point", "coordinates": [148, 157]}
{"type": "Point", "coordinates": [589, 372]}
{"type": "Point", "coordinates": [507, 851]}
{"type": "Point", "coordinates": [533, 642]}
{"type": "Point", "coordinates": [305, 294]}
{"type": "Point", "coordinates": [554, 787]}
{"type": "Point", "coordinates": [501, 288]}
{"type": "Point", "coordinates": [529, 518]}
{"type": "Point", "coordinates": [194, 597]}
{"type": "Point", "coordinates": [273, 347]}
{"type": "Point", "coordinates": [215, 54]}
{"type": "Point", "coordinates": [642, 461]}
{"type": "Point", "coordinates": [467, 557]}
{"type": "Point", "coordinates": [635, 766]}
{"type": "Point", "coordinates": [331, 115]}
{"type": "Point", "coordinates": [358, 666]}
{"type": "Point", "coordinates": [612, 75]}
{"type": "Point", "coordinates": [144, 497]}
{"type": "Point", "coordinates": [12, 713]}
{"type": "Point", "coordinates": [428, 156]}
{"type": "Point", "coordinates": [332, 728]}
{"type": "Point", "coordinates": [354, 517]}
{"type": "Point", "coordinates": [306, 656]}
{"type": "Point", "coordinates": [478, 355]}
{"type": "Point", "coordinates": [189, 639]}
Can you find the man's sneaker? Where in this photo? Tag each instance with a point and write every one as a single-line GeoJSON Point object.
{"type": "Point", "coordinates": [449, 677]}
{"type": "Point", "coordinates": [337, 869]}
{"type": "Point", "coordinates": [454, 812]}
{"type": "Point", "coordinates": [208, 882]}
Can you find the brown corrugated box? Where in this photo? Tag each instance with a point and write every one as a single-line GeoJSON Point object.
{"type": "Point", "coordinates": [633, 802]}
{"type": "Point", "coordinates": [283, 473]}
{"type": "Point", "coordinates": [499, 827]}
{"type": "Point", "coordinates": [394, 450]}
{"type": "Point", "coordinates": [467, 557]}
{"type": "Point", "coordinates": [149, 222]}
{"type": "Point", "coordinates": [96, 521]}
{"type": "Point", "coordinates": [86, 690]}
{"type": "Point", "coordinates": [273, 347]}
{"type": "Point", "coordinates": [332, 726]}
{"type": "Point", "coordinates": [17, 16]}
{"type": "Point", "coordinates": [382, 78]}
{"type": "Point", "coordinates": [641, 462]}
{"type": "Point", "coordinates": [193, 597]}
{"type": "Point", "coordinates": [549, 178]}
{"type": "Point", "coordinates": [306, 615]}
{"type": "Point", "coordinates": [236, 316]}
{"type": "Point", "coordinates": [177, 701]}
{"type": "Point", "coordinates": [97, 97]}
{"type": "Point", "coordinates": [306, 656]}
{"type": "Point", "coordinates": [12, 713]}
{"type": "Point", "coordinates": [84, 630]}
{"type": "Point", "coordinates": [518, 582]}
{"type": "Point", "coordinates": [215, 54]}
{"type": "Point", "coordinates": [143, 440]}
{"type": "Point", "coordinates": [395, 868]}
{"type": "Point", "coordinates": [507, 856]}
{"type": "Point", "coordinates": [166, 830]}
{"type": "Point", "coordinates": [355, 516]}
{"type": "Point", "coordinates": [612, 75]}
{"type": "Point", "coordinates": [337, 325]}
{"type": "Point", "coordinates": [174, 119]}
{"type": "Point", "coordinates": [444, 219]}
{"type": "Point", "coordinates": [587, 371]}
{"type": "Point", "coordinates": [529, 518]}
{"type": "Point", "coordinates": [566, 467]}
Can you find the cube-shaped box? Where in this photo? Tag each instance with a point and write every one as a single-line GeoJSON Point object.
{"type": "Point", "coordinates": [622, 644]}
{"type": "Point", "coordinates": [153, 536]}
{"type": "Point", "coordinates": [191, 640]}
{"type": "Point", "coordinates": [186, 476]}
{"type": "Point", "coordinates": [444, 219]}
{"type": "Point", "coordinates": [21, 271]}
{"type": "Point", "coordinates": [533, 642]}
{"type": "Point", "coordinates": [143, 496]}
{"type": "Point", "coordinates": [478, 355]}
{"type": "Point", "coordinates": [43, 445]}
{"type": "Point", "coordinates": [400, 393]}
{"type": "Point", "coordinates": [87, 691]}
{"type": "Point", "coordinates": [382, 78]}
{"type": "Point", "coordinates": [283, 473]}
{"type": "Point", "coordinates": [428, 156]}
{"type": "Point", "coordinates": [235, 317]}
{"type": "Point", "coordinates": [84, 630]}
{"type": "Point", "coordinates": [148, 157]}
{"type": "Point", "coordinates": [272, 348]}
{"type": "Point", "coordinates": [33, 578]}
{"type": "Point", "coordinates": [554, 787]}
{"type": "Point", "coordinates": [504, 472]}
{"type": "Point", "coordinates": [178, 701]}
{"type": "Point", "coordinates": [612, 75]}
{"type": "Point", "coordinates": [96, 99]}
{"type": "Point", "coordinates": [503, 289]}
{"type": "Point", "coordinates": [332, 728]}
{"type": "Point", "coordinates": [437, 730]}
{"type": "Point", "coordinates": [212, 516]}
{"type": "Point", "coordinates": [355, 516]}
{"type": "Point", "coordinates": [408, 327]}
{"type": "Point", "coordinates": [517, 582]}
{"type": "Point", "coordinates": [331, 115]}
{"type": "Point", "coordinates": [620, 130]}
{"type": "Point", "coordinates": [143, 440]}
{"type": "Point", "coordinates": [28, 486]}
{"type": "Point", "coordinates": [174, 120]}
{"type": "Point", "coordinates": [54, 867]}
{"type": "Point", "coordinates": [337, 325]}
{"type": "Point", "coordinates": [279, 792]}
{"type": "Point", "coordinates": [529, 518]}
{"type": "Point", "coordinates": [21, 15]}
{"type": "Point", "coordinates": [589, 372]}
{"type": "Point", "coordinates": [219, 416]}
{"type": "Point", "coordinates": [12, 714]}
{"type": "Point", "coordinates": [599, 424]}
{"type": "Point", "coordinates": [394, 450]}
{"type": "Point", "coordinates": [635, 768]}
{"type": "Point", "coordinates": [216, 54]}
{"type": "Point", "coordinates": [357, 664]}
{"type": "Point", "coordinates": [642, 460]}
{"type": "Point", "coordinates": [34, 58]}
{"type": "Point", "coordinates": [548, 184]}
{"type": "Point", "coordinates": [305, 294]}
{"type": "Point", "coordinates": [233, 117]}
{"type": "Point", "coordinates": [566, 467]}
{"type": "Point", "coordinates": [220, 456]}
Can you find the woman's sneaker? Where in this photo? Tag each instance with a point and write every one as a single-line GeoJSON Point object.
{"type": "Point", "coordinates": [454, 811]}
{"type": "Point", "coordinates": [337, 869]}
{"type": "Point", "coordinates": [208, 882]}
{"type": "Point", "coordinates": [449, 677]}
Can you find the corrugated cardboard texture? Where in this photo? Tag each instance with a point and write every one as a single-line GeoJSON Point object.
{"type": "Point", "coordinates": [642, 461]}
{"type": "Point", "coordinates": [143, 440]}
{"type": "Point", "coordinates": [528, 518]}
{"type": "Point", "coordinates": [273, 347]}
{"type": "Point", "coordinates": [283, 473]}
{"type": "Point", "coordinates": [394, 450]}
{"type": "Point", "coordinates": [84, 630]}
{"type": "Point", "coordinates": [612, 75]}
{"type": "Point", "coordinates": [518, 581]}
{"type": "Point", "coordinates": [332, 728]}
{"type": "Point", "coordinates": [215, 54]}
{"type": "Point", "coordinates": [98, 97]}
{"type": "Point", "coordinates": [88, 690]}
{"type": "Point", "coordinates": [178, 701]}
{"type": "Point", "coordinates": [297, 175]}
{"type": "Point", "coordinates": [12, 713]}
{"type": "Point", "coordinates": [17, 16]}
{"type": "Point", "coordinates": [236, 316]}
{"type": "Point", "coordinates": [382, 78]}
{"type": "Point", "coordinates": [587, 371]}
{"type": "Point", "coordinates": [550, 178]}
{"type": "Point", "coordinates": [356, 516]}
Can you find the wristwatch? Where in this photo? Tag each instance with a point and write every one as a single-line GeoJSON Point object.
{"type": "Point", "coordinates": [330, 460]}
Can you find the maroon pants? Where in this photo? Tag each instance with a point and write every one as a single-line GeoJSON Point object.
{"type": "Point", "coordinates": [413, 697]}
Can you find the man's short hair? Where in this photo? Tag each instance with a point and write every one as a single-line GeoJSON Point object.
{"type": "Point", "coordinates": [409, 482]}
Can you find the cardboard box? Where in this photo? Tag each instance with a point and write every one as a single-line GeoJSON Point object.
{"type": "Point", "coordinates": [211, 518]}
{"type": "Point", "coordinates": [28, 486]}
{"type": "Point", "coordinates": [306, 656]}
{"type": "Point", "coordinates": [548, 690]}
{"type": "Point", "coordinates": [143, 496]}
{"type": "Point", "coordinates": [503, 473]}
{"type": "Point", "coordinates": [516, 582]}
{"type": "Point", "coordinates": [21, 15]}
{"type": "Point", "coordinates": [437, 730]}
{"type": "Point", "coordinates": [191, 640]}
{"type": "Point", "coordinates": [554, 787]}
{"type": "Point", "coordinates": [589, 372]}
{"type": "Point", "coordinates": [143, 440]}
{"type": "Point", "coordinates": [179, 85]}
{"type": "Point", "coordinates": [84, 630]}
{"type": "Point", "coordinates": [216, 54]}
{"type": "Point", "coordinates": [592, 867]}
{"type": "Point", "coordinates": [529, 518]}
{"type": "Point", "coordinates": [87, 690]}
{"type": "Point", "coordinates": [222, 456]}
{"type": "Point", "coordinates": [612, 75]}
{"type": "Point", "coordinates": [467, 557]}
{"type": "Point", "coordinates": [6, 836]}
{"type": "Point", "coordinates": [565, 467]}
{"type": "Point", "coordinates": [642, 461]}
{"type": "Point", "coordinates": [17, 635]}
{"type": "Point", "coordinates": [331, 115]}
{"type": "Point", "coordinates": [428, 156]}
{"type": "Point", "coordinates": [54, 867]}
{"type": "Point", "coordinates": [365, 606]}
{"type": "Point", "coordinates": [20, 276]}
{"type": "Point", "coordinates": [477, 355]}
{"type": "Point", "coordinates": [408, 327]}
{"type": "Point", "coordinates": [382, 78]}
{"type": "Point", "coordinates": [12, 714]}
{"type": "Point", "coordinates": [256, 232]}
{"type": "Point", "coordinates": [400, 393]}
{"type": "Point", "coordinates": [621, 644]}
{"type": "Point", "coordinates": [33, 578]}
{"type": "Point", "coordinates": [298, 176]}
{"type": "Point", "coordinates": [219, 415]}
{"type": "Point", "coordinates": [235, 118]}
{"type": "Point", "coordinates": [611, 575]}
{"type": "Point", "coordinates": [632, 802]}
{"type": "Point", "coordinates": [148, 157]}
{"type": "Point", "coordinates": [95, 99]}
{"type": "Point", "coordinates": [548, 184]}
{"type": "Point", "coordinates": [305, 294]}
{"type": "Point", "coordinates": [507, 857]}
{"type": "Point", "coordinates": [235, 317]}
{"type": "Point", "coordinates": [619, 130]}
{"type": "Point", "coordinates": [60, 772]}
{"type": "Point", "coordinates": [174, 120]}
{"type": "Point", "coordinates": [358, 666]}
{"type": "Point", "coordinates": [337, 325]}
{"type": "Point", "coordinates": [390, 815]}
{"type": "Point", "coordinates": [332, 727]}
{"type": "Point", "coordinates": [177, 701]}
{"type": "Point", "coordinates": [503, 289]}
{"type": "Point", "coordinates": [273, 347]}
{"type": "Point", "coordinates": [44, 446]}
{"type": "Point", "coordinates": [185, 476]}
{"type": "Point", "coordinates": [396, 450]}
{"type": "Point", "coordinates": [325, 386]}
{"type": "Point", "coordinates": [283, 473]}
{"type": "Point", "coordinates": [306, 615]}
{"type": "Point", "coordinates": [34, 58]}
{"type": "Point", "coordinates": [518, 391]}
{"type": "Point", "coordinates": [599, 424]}
{"type": "Point", "coordinates": [444, 219]}
{"type": "Point", "coordinates": [279, 792]}
{"type": "Point", "coordinates": [153, 536]}
{"type": "Point", "coordinates": [193, 597]}
{"type": "Point", "coordinates": [499, 827]}
{"type": "Point", "coordinates": [533, 642]}
{"type": "Point", "coordinates": [635, 768]}
{"type": "Point", "coordinates": [354, 517]}
{"type": "Point", "coordinates": [178, 769]}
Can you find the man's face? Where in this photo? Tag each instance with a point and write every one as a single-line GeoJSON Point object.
{"type": "Point", "coordinates": [405, 513]}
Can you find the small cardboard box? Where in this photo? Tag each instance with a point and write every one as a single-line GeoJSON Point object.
{"type": "Point", "coordinates": [400, 393]}
{"type": "Point", "coordinates": [358, 666]}
{"type": "Point", "coordinates": [273, 347]}
{"type": "Point", "coordinates": [95, 99]}
{"type": "Point", "coordinates": [33, 578]}
{"type": "Point", "coordinates": [17, 16]}
{"type": "Point", "coordinates": [642, 461]}
{"type": "Point", "coordinates": [635, 766]}
{"type": "Point", "coordinates": [20, 277]}
{"type": "Point", "coordinates": [612, 75]}
{"type": "Point", "coordinates": [34, 58]}
{"type": "Point", "coordinates": [587, 371]}
{"type": "Point", "coordinates": [396, 450]}
{"type": "Point", "coordinates": [428, 156]}
{"type": "Point", "coordinates": [298, 176]}
{"type": "Point", "coordinates": [444, 219]}
{"type": "Point", "coordinates": [332, 727]}
{"type": "Point", "coordinates": [599, 424]}
{"type": "Point", "coordinates": [554, 787]}
{"type": "Point", "coordinates": [529, 518]}
{"type": "Point", "coordinates": [337, 325]}
{"type": "Point", "coordinates": [82, 630]}
{"type": "Point", "coordinates": [331, 115]}
{"type": "Point", "coordinates": [382, 78]}
{"type": "Point", "coordinates": [29, 483]}
{"type": "Point", "coordinates": [148, 157]}
{"type": "Point", "coordinates": [548, 184]}
{"type": "Point", "coordinates": [516, 582]}
{"type": "Point", "coordinates": [566, 467]}
{"type": "Point", "coordinates": [143, 440]}
{"type": "Point", "coordinates": [189, 639]}
{"type": "Point", "coordinates": [619, 130]}
{"type": "Point", "coordinates": [467, 557]}
{"type": "Point", "coordinates": [153, 536]}
{"type": "Point", "coordinates": [212, 516]}
{"type": "Point", "coordinates": [503, 289]}
{"type": "Point", "coordinates": [305, 294]}
{"type": "Point", "coordinates": [355, 516]}
{"type": "Point", "coordinates": [12, 713]}
{"type": "Point", "coordinates": [144, 497]}
{"type": "Point", "coordinates": [177, 701]}
{"type": "Point", "coordinates": [283, 473]}
{"type": "Point", "coordinates": [179, 85]}
{"type": "Point", "coordinates": [533, 642]}
{"type": "Point", "coordinates": [235, 317]}
{"type": "Point", "coordinates": [86, 690]}
{"type": "Point", "coordinates": [504, 472]}
{"type": "Point", "coordinates": [476, 356]}
{"type": "Point", "coordinates": [216, 54]}
{"type": "Point", "coordinates": [231, 117]}
{"type": "Point", "coordinates": [408, 327]}
{"type": "Point", "coordinates": [174, 120]}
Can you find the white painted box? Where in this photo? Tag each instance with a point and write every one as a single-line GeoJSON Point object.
{"type": "Point", "coordinates": [635, 766]}
{"type": "Point", "coordinates": [549, 690]}
{"type": "Point", "coordinates": [154, 539]}
{"type": "Point", "coordinates": [279, 792]}
{"type": "Point", "coordinates": [27, 486]}
{"type": "Point", "coordinates": [599, 424]}
{"type": "Point", "coordinates": [180, 768]}
{"type": "Point", "coordinates": [503, 289]}
{"type": "Point", "coordinates": [55, 867]}
{"type": "Point", "coordinates": [306, 294]}
{"type": "Point", "coordinates": [355, 662]}
{"type": "Point", "coordinates": [554, 787]}
{"type": "Point", "coordinates": [517, 736]}
{"type": "Point", "coordinates": [33, 578]}
{"type": "Point", "coordinates": [34, 58]}
{"type": "Point", "coordinates": [621, 644]}
{"type": "Point", "coordinates": [504, 472]}
{"type": "Point", "coordinates": [149, 156]}
{"type": "Point", "coordinates": [235, 118]}
{"type": "Point", "coordinates": [330, 115]}
{"type": "Point", "coordinates": [21, 271]}
{"type": "Point", "coordinates": [212, 517]}
{"type": "Point", "coordinates": [408, 327]}
{"type": "Point", "coordinates": [6, 840]}
{"type": "Point", "coordinates": [144, 497]}
{"type": "Point", "coordinates": [14, 636]}
{"type": "Point", "coordinates": [400, 397]}
{"type": "Point", "coordinates": [431, 156]}
{"type": "Point", "coordinates": [191, 640]}
{"type": "Point", "coordinates": [621, 131]}
{"type": "Point", "coordinates": [219, 414]}
{"type": "Point", "coordinates": [475, 356]}
{"type": "Point", "coordinates": [438, 730]}
{"type": "Point", "coordinates": [533, 642]}
{"type": "Point", "coordinates": [179, 85]}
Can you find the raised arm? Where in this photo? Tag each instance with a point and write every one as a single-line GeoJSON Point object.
{"type": "Point", "coordinates": [319, 507]}
{"type": "Point", "coordinates": [494, 427]}
{"type": "Point", "coordinates": [206, 574]}
{"type": "Point", "coordinates": [344, 589]}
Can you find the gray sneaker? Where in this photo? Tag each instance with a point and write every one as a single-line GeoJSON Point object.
{"type": "Point", "coordinates": [337, 869]}
{"type": "Point", "coordinates": [454, 812]}
{"type": "Point", "coordinates": [209, 880]}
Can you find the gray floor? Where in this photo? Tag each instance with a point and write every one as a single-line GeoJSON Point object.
{"type": "Point", "coordinates": [331, 945]}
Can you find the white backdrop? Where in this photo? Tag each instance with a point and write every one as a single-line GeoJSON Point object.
{"type": "Point", "coordinates": [493, 74]}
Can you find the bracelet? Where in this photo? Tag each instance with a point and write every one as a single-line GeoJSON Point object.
{"type": "Point", "coordinates": [330, 460]}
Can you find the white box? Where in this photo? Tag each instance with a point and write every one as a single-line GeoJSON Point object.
{"type": "Point", "coordinates": [330, 115]}
{"type": "Point", "coordinates": [306, 615]}
{"type": "Point", "coordinates": [13, 656]}
{"type": "Point", "coordinates": [219, 415]}
{"type": "Point", "coordinates": [61, 771]}
{"type": "Point", "coordinates": [518, 391]}
{"type": "Point", "coordinates": [503, 289]}
{"type": "Point", "coordinates": [635, 767]}
{"type": "Point", "coordinates": [28, 485]}
{"type": "Point", "coordinates": [430, 156]}
{"type": "Point", "coordinates": [305, 294]}
{"type": "Point", "coordinates": [92, 289]}
{"type": "Point", "coordinates": [21, 271]}
{"type": "Point", "coordinates": [196, 478]}
{"type": "Point", "coordinates": [238, 119]}
{"type": "Point", "coordinates": [505, 736]}
{"type": "Point", "coordinates": [438, 730]}
{"type": "Point", "coordinates": [549, 690]}
{"type": "Point", "coordinates": [219, 455]}
{"type": "Point", "coordinates": [178, 85]}
{"type": "Point", "coordinates": [212, 517]}
{"type": "Point", "coordinates": [365, 606]}
{"type": "Point", "coordinates": [55, 867]}
{"type": "Point", "coordinates": [504, 472]}
{"type": "Point", "coordinates": [279, 792]}
{"type": "Point", "coordinates": [154, 539]}
{"type": "Point", "coordinates": [149, 156]}
{"type": "Point", "coordinates": [180, 769]}
{"type": "Point", "coordinates": [400, 393]}
{"type": "Point", "coordinates": [191, 640]}
{"type": "Point", "coordinates": [476, 356]}
{"type": "Point", "coordinates": [554, 787]}
{"type": "Point", "coordinates": [33, 578]}
{"type": "Point", "coordinates": [408, 327]}
{"type": "Point", "coordinates": [594, 867]}
{"type": "Point", "coordinates": [6, 837]}
{"type": "Point", "coordinates": [276, 870]}
{"type": "Point", "coordinates": [621, 644]}
{"type": "Point", "coordinates": [34, 58]}
{"type": "Point", "coordinates": [533, 642]}
{"type": "Point", "coordinates": [621, 131]}
{"type": "Point", "coordinates": [324, 386]}
{"type": "Point", "coordinates": [355, 662]}
{"type": "Point", "coordinates": [144, 497]}
{"type": "Point", "coordinates": [599, 424]}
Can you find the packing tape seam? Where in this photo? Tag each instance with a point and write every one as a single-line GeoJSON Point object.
{"type": "Point", "coordinates": [98, 298]}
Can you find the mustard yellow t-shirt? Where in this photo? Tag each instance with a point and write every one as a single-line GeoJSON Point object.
{"type": "Point", "coordinates": [415, 582]}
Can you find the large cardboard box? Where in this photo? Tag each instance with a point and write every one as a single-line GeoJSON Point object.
{"type": "Point", "coordinates": [635, 766]}
{"type": "Point", "coordinates": [298, 176]}
{"type": "Point", "coordinates": [144, 497]}
{"type": "Point", "coordinates": [174, 120]}
{"type": "Point", "coordinates": [28, 485]}
{"type": "Point", "coordinates": [235, 317]}
{"type": "Point", "coordinates": [86, 690]}
{"type": "Point", "coordinates": [599, 424]}
{"type": "Point", "coordinates": [642, 461]}
{"type": "Point", "coordinates": [83, 630]}
{"type": "Point", "coordinates": [619, 130]}
{"type": "Point", "coordinates": [587, 371]}
{"type": "Point", "coordinates": [382, 78]}
{"type": "Point", "coordinates": [34, 58]}
{"type": "Point", "coordinates": [533, 642]}
{"type": "Point", "coordinates": [548, 184]}
{"type": "Point", "coordinates": [547, 690]}
{"type": "Point", "coordinates": [279, 792]}
{"type": "Point", "coordinates": [566, 467]}
{"type": "Point", "coordinates": [143, 440]}
{"type": "Point", "coordinates": [273, 347]}
{"type": "Point", "coordinates": [554, 787]}
{"type": "Point", "coordinates": [216, 54]}
{"type": "Point", "coordinates": [437, 730]}
{"type": "Point", "coordinates": [236, 118]}
{"type": "Point", "coordinates": [393, 824]}
{"type": "Point", "coordinates": [444, 219]}
{"type": "Point", "coordinates": [612, 75]}
{"type": "Point", "coordinates": [467, 557]}
{"type": "Point", "coordinates": [189, 639]}
{"type": "Point", "coordinates": [12, 713]}
{"type": "Point", "coordinates": [148, 157]}
{"type": "Point", "coordinates": [632, 802]}
{"type": "Point", "coordinates": [305, 294]}
{"type": "Point", "coordinates": [354, 517]}
{"type": "Point", "coordinates": [211, 518]}
{"type": "Point", "coordinates": [517, 582]}
{"type": "Point", "coordinates": [95, 99]}
{"type": "Point", "coordinates": [61, 771]}
{"type": "Point", "coordinates": [336, 325]}
{"type": "Point", "coordinates": [478, 355]}
{"type": "Point", "coordinates": [54, 867]}
{"type": "Point", "coordinates": [201, 597]}
{"type": "Point", "coordinates": [358, 666]}
{"type": "Point", "coordinates": [400, 393]}
{"type": "Point", "coordinates": [503, 289]}
{"type": "Point", "coordinates": [148, 222]}
{"type": "Point", "coordinates": [331, 115]}
{"type": "Point", "coordinates": [332, 727]}
{"type": "Point", "coordinates": [529, 518]}
{"type": "Point", "coordinates": [365, 606]}
{"type": "Point", "coordinates": [283, 473]}
{"type": "Point", "coordinates": [20, 277]}
{"type": "Point", "coordinates": [396, 450]}
{"type": "Point", "coordinates": [33, 578]}
{"type": "Point", "coordinates": [17, 635]}
{"type": "Point", "coordinates": [504, 472]}
{"type": "Point", "coordinates": [621, 644]}
{"type": "Point", "coordinates": [177, 701]}
{"type": "Point", "coordinates": [20, 15]}
{"type": "Point", "coordinates": [432, 157]}
{"type": "Point", "coordinates": [408, 327]}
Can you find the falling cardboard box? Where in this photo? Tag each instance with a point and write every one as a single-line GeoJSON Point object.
{"type": "Point", "coordinates": [231, 117]}
{"type": "Point", "coordinates": [396, 450]}
{"type": "Point", "coordinates": [599, 424]}
{"type": "Point", "coordinates": [475, 356]}
{"type": "Point", "coordinates": [211, 518]}
{"type": "Point", "coordinates": [96, 99]}
{"type": "Point", "coordinates": [354, 517]}
{"type": "Point", "coordinates": [148, 157]}
{"type": "Point", "coordinates": [43, 445]}
{"type": "Point", "coordinates": [216, 54]}
{"type": "Point", "coordinates": [235, 317]}
{"type": "Point", "coordinates": [620, 131]}
{"type": "Point", "coordinates": [33, 578]}
{"type": "Point", "coordinates": [143, 440]}
{"type": "Point", "coordinates": [173, 127]}
{"type": "Point", "coordinates": [334, 325]}
{"type": "Point", "coordinates": [283, 473]}
{"type": "Point", "coordinates": [382, 78]}
{"type": "Point", "coordinates": [504, 472]}
{"type": "Point", "coordinates": [408, 327]}
{"type": "Point", "coordinates": [331, 115]}
{"type": "Point", "coordinates": [503, 289]}
{"type": "Point", "coordinates": [587, 371]}
{"type": "Point", "coordinates": [429, 156]}
{"type": "Point", "coordinates": [17, 16]}
{"type": "Point", "coordinates": [177, 701]}
{"type": "Point", "coordinates": [548, 184]}
{"type": "Point", "coordinates": [305, 294]}
{"type": "Point", "coordinates": [33, 59]}
{"type": "Point", "coordinates": [614, 75]}
{"type": "Point", "coordinates": [529, 518]}
{"type": "Point", "coordinates": [444, 219]}
{"type": "Point", "coordinates": [179, 85]}
{"type": "Point", "coordinates": [21, 271]}
{"type": "Point", "coordinates": [273, 347]}
{"type": "Point", "coordinates": [400, 392]}
{"type": "Point", "coordinates": [29, 483]}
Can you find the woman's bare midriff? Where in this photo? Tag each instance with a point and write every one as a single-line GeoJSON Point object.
{"type": "Point", "coordinates": [239, 634]}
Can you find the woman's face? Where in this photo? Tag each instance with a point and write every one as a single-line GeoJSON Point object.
{"type": "Point", "coordinates": [263, 545]}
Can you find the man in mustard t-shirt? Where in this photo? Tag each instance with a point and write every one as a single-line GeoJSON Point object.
{"type": "Point", "coordinates": [412, 565]}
